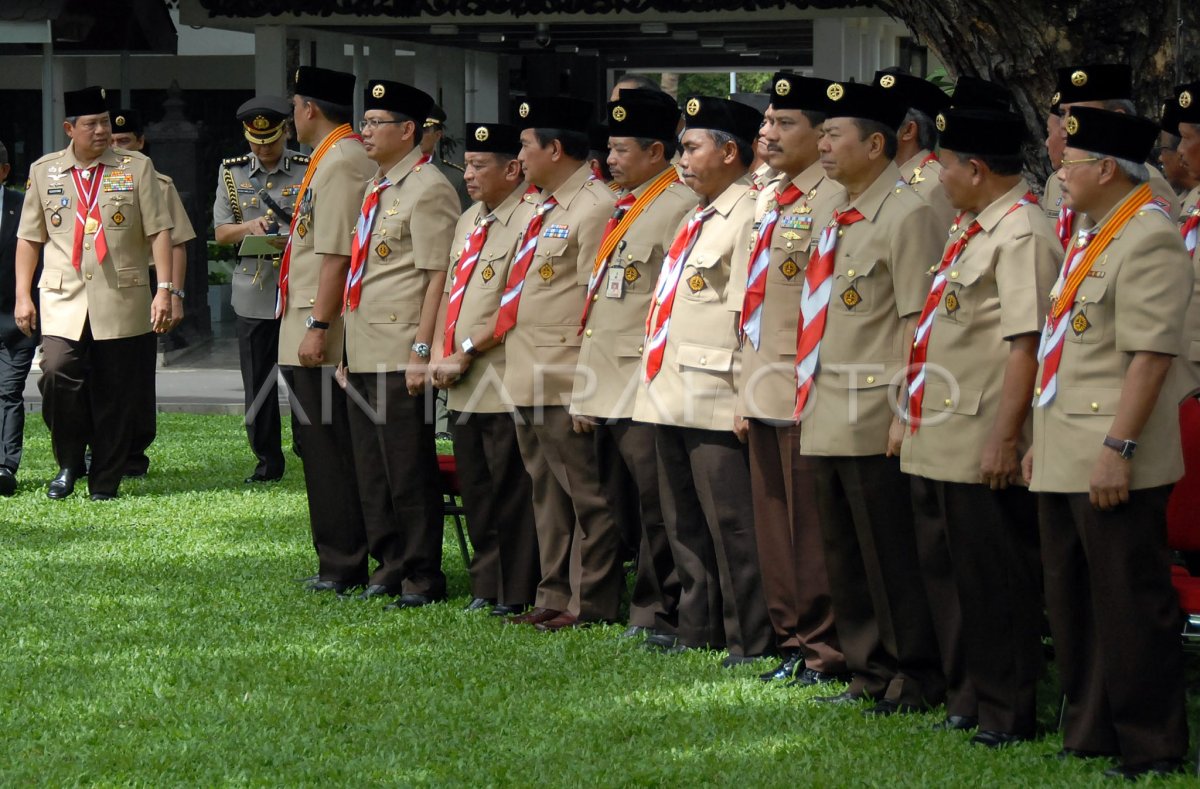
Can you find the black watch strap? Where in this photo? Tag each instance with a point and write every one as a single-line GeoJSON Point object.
{"type": "Point", "coordinates": [1123, 448]}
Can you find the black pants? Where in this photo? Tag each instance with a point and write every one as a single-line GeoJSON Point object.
{"type": "Point", "coordinates": [258, 349]}
{"type": "Point", "coordinates": [14, 369]}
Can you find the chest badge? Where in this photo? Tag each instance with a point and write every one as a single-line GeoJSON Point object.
{"type": "Point", "coordinates": [632, 274]}
{"type": "Point", "coordinates": [951, 303]}
{"type": "Point", "coordinates": [118, 218]}
{"type": "Point", "coordinates": [383, 250]}
{"type": "Point", "coordinates": [56, 219]}
{"type": "Point", "coordinates": [546, 272]}
{"type": "Point", "coordinates": [488, 273]}
{"type": "Point", "coordinates": [1080, 324]}
{"type": "Point", "coordinates": [789, 269]}
{"type": "Point", "coordinates": [851, 297]}
{"type": "Point", "coordinates": [696, 283]}
{"type": "Point", "coordinates": [302, 229]}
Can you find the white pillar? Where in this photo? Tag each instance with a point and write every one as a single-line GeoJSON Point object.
{"type": "Point", "coordinates": [828, 48]}
{"type": "Point", "coordinates": [270, 57]}
{"type": "Point", "coordinates": [483, 88]}
{"type": "Point", "coordinates": [361, 76]}
{"type": "Point", "coordinates": [51, 94]}
{"type": "Point", "coordinates": [851, 49]}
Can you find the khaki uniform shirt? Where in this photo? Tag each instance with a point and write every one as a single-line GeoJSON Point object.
{"type": "Point", "coordinates": [481, 389]}
{"type": "Point", "coordinates": [1189, 360]}
{"type": "Point", "coordinates": [880, 277]}
{"type": "Point", "coordinates": [763, 175]}
{"type": "Point", "coordinates": [324, 226]}
{"type": "Point", "coordinates": [606, 385]}
{"type": "Point", "coordinates": [767, 387]}
{"type": "Point", "coordinates": [256, 279]}
{"type": "Point", "coordinates": [1133, 299]}
{"type": "Point", "coordinates": [696, 386]}
{"type": "Point", "coordinates": [410, 239]}
{"type": "Point", "coordinates": [113, 296]}
{"type": "Point", "coordinates": [543, 348]}
{"type": "Point", "coordinates": [181, 227]}
{"type": "Point", "coordinates": [926, 181]}
{"type": "Point", "coordinates": [999, 289]}
{"type": "Point", "coordinates": [1052, 197]}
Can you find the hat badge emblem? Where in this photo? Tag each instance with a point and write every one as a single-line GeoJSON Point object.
{"type": "Point", "coordinates": [887, 81]}
{"type": "Point", "coordinates": [1079, 79]}
{"type": "Point", "coordinates": [1056, 98]}
{"type": "Point", "coordinates": [378, 91]}
{"type": "Point", "coordinates": [783, 87]}
{"type": "Point", "coordinates": [940, 122]}
{"type": "Point", "coordinates": [835, 91]}
{"type": "Point", "coordinates": [260, 122]}
{"type": "Point", "coordinates": [119, 120]}
{"type": "Point", "coordinates": [693, 107]}
{"type": "Point", "coordinates": [1185, 99]}
{"type": "Point", "coordinates": [297, 79]}
{"type": "Point", "coordinates": [619, 114]}
{"type": "Point", "coordinates": [1072, 125]}
{"type": "Point", "coordinates": [103, 95]}
{"type": "Point", "coordinates": [481, 134]}
{"type": "Point", "coordinates": [523, 110]}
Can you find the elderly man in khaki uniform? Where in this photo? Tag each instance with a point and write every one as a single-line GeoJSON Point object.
{"type": "Point", "coordinates": [969, 384]}
{"type": "Point", "coordinates": [98, 215]}
{"type": "Point", "coordinates": [1106, 452]}
{"type": "Point", "coordinates": [795, 582]}
{"type": "Point", "coordinates": [651, 204]}
{"type": "Point", "coordinates": [916, 138]}
{"type": "Point", "coordinates": [393, 289]}
{"type": "Point", "coordinates": [1106, 86]}
{"type": "Point", "coordinates": [690, 366]}
{"type": "Point", "coordinates": [538, 319]}
{"type": "Point", "coordinates": [312, 280]}
{"type": "Point", "coordinates": [865, 283]}
{"type": "Point", "coordinates": [468, 363]}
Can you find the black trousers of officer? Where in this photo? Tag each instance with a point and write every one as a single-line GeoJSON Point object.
{"type": "Point", "coordinates": [15, 362]}
{"type": "Point", "coordinates": [258, 350]}
{"type": "Point", "coordinates": [395, 459]}
{"type": "Point", "coordinates": [334, 512]}
{"type": "Point", "coordinates": [89, 399]}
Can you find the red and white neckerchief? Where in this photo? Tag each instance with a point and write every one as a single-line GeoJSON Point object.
{"type": "Point", "coordinates": [1190, 230]}
{"type": "Point", "coordinates": [87, 213]}
{"type": "Point", "coordinates": [510, 301]}
{"type": "Point", "coordinates": [1075, 270]}
{"type": "Point", "coordinates": [462, 275]}
{"type": "Point", "coordinates": [360, 247]}
{"type": "Point", "coordinates": [814, 304]}
{"type": "Point", "coordinates": [1064, 227]}
{"type": "Point", "coordinates": [658, 324]}
{"type": "Point", "coordinates": [425, 159]}
{"type": "Point", "coordinates": [760, 258]}
{"type": "Point", "coordinates": [920, 349]}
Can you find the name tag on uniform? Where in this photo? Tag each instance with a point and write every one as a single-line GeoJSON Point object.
{"type": "Point", "coordinates": [616, 283]}
{"type": "Point", "coordinates": [557, 231]}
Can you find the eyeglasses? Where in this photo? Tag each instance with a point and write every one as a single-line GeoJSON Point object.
{"type": "Point", "coordinates": [374, 123]}
{"type": "Point", "coordinates": [1068, 163]}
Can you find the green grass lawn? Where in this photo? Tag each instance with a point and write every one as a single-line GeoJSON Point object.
{"type": "Point", "coordinates": [160, 640]}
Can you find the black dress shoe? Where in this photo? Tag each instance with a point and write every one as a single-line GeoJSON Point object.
{"type": "Point", "coordinates": [665, 643]}
{"type": "Point", "coordinates": [809, 677]}
{"type": "Point", "coordinates": [63, 485]}
{"type": "Point", "coordinates": [377, 590]}
{"type": "Point", "coordinates": [478, 604]}
{"type": "Point", "coordinates": [956, 723]}
{"type": "Point", "coordinates": [1132, 772]}
{"type": "Point", "coordinates": [308, 579]}
{"type": "Point", "coordinates": [638, 631]}
{"type": "Point", "coordinates": [996, 739]}
{"type": "Point", "coordinates": [256, 478]}
{"type": "Point", "coordinates": [411, 601]}
{"type": "Point", "coordinates": [503, 609]}
{"type": "Point", "coordinates": [1075, 753]}
{"type": "Point", "coordinates": [328, 586]}
{"type": "Point", "coordinates": [845, 697]}
{"type": "Point", "coordinates": [102, 496]}
{"type": "Point", "coordinates": [787, 667]}
{"type": "Point", "coordinates": [885, 708]}
{"type": "Point", "coordinates": [8, 481]}
{"type": "Point", "coordinates": [733, 661]}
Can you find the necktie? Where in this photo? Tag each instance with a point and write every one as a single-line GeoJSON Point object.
{"type": "Point", "coordinates": [657, 324]}
{"type": "Point", "coordinates": [361, 246]}
{"type": "Point", "coordinates": [510, 301]}
{"type": "Point", "coordinates": [462, 275]}
{"type": "Point", "coordinates": [598, 271]}
{"type": "Point", "coordinates": [87, 213]}
{"type": "Point", "coordinates": [760, 258]}
{"type": "Point", "coordinates": [814, 304]}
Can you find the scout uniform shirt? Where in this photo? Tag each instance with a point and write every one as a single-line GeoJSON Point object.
{"type": "Point", "coordinates": [112, 295]}
{"type": "Point", "coordinates": [541, 351]}
{"type": "Point", "coordinates": [696, 386]}
{"type": "Point", "coordinates": [1133, 299]}
{"type": "Point", "coordinates": [324, 226]}
{"type": "Point", "coordinates": [181, 230]}
{"type": "Point", "coordinates": [616, 325]}
{"type": "Point", "coordinates": [879, 279]}
{"type": "Point", "coordinates": [410, 239]}
{"type": "Point", "coordinates": [1189, 360]}
{"type": "Point", "coordinates": [767, 386]}
{"type": "Point", "coordinates": [998, 289]}
{"type": "Point", "coordinates": [1052, 197]}
{"type": "Point", "coordinates": [924, 175]}
{"type": "Point", "coordinates": [240, 181]}
{"type": "Point", "coordinates": [480, 390]}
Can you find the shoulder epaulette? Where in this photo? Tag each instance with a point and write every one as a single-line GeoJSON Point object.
{"type": "Point", "coordinates": [300, 158]}
{"type": "Point", "coordinates": [232, 160]}
{"type": "Point", "coordinates": [455, 166]}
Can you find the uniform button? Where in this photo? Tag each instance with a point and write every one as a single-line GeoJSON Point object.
{"type": "Point", "coordinates": [587, 333]}
{"type": "Point", "coordinates": [87, 246]}
{"type": "Point", "coordinates": [949, 402]}
{"type": "Point", "coordinates": [245, 270]}
{"type": "Point", "coordinates": [1083, 298]}
{"type": "Point", "coordinates": [788, 245]}
{"type": "Point", "coordinates": [595, 297]}
{"type": "Point", "coordinates": [243, 204]}
{"type": "Point", "coordinates": [870, 379]}
{"type": "Point", "coordinates": [841, 233]}
{"type": "Point", "coordinates": [392, 317]}
{"type": "Point", "coordinates": [640, 349]}
{"type": "Point", "coordinates": [270, 185]}
{"type": "Point", "coordinates": [850, 273]}
{"type": "Point", "coordinates": [953, 275]}
{"type": "Point", "coordinates": [1095, 406]}
{"type": "Point", "coordinates": [562, 339]}
{"type": "Point", "coordinates": [703, 360]}
{"type": "Point", "coordinates": [1038, 391]}
{"type": "Point", "coordinates": [897, 191]}
{"type": "Point", "coordinates": [89, 275]}
{"type": "Point", "coordinates": [312, 302]}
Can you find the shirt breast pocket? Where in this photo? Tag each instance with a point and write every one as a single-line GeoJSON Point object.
{"type": "Point", "coordinates": [635, 263]}
{"type": "Point", "coordinates": [855, 286]}
{"type": "Point", "coordinates": [550, 262]}
{"type": "Point", "coordinates": [117, 212]}
{"type": "Point", "coordinates": [962, 295]}
{"type": "Point", "coordinates": [489, 270]}
{"type": "Point", "coordinates": [704, 277]}
{"type": "Point", "coordinates": [390, 234]}
{"type": "Point", "coordinates": [789, 254]}
{"type": "Point", "coordinates": [1090, 314]}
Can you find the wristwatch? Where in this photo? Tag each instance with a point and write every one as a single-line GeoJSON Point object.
{"type": "Point", "coordinates": [421, 349]}
{"type": "Point", "coordinates": [312, 323]}
{"type": "Point", "coordinates": [180, 293]}
{"type": "Point", "coordinates": [1123, 448]}
{"type": "Point", "coordinates": [469, 349]}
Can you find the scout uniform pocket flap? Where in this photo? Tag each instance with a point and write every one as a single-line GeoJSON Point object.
{"type": "Point", "coordinates": [704, 357]}
{"type": "Point", "coordinates": [1089, 401]}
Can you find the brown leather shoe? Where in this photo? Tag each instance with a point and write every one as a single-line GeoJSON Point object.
{"type": "Point", "coordinates": [536, 616]}
{"type": "Point", "coordinates": [561, 622]}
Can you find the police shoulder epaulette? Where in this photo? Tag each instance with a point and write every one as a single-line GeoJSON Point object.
{"type": "Point", "coordinates": [455, 166]}
{"type": "Point", "coordinates": [236, 160]}
{"type": "Point", "coordinates": [300, 158]}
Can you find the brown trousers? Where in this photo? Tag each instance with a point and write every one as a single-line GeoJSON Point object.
{"type": "Point", "coordinates": [498, 501]}
{"type": "Point", "coordinates": [571, 514]}
{"type": "Point", "coordinates": [629, 473]}
{"type": "Point", "coordinates": [788, 533]}
{"type": "Point", "coordinates": [334, 512]}
{"type": "Point", "coordinates": [399, 487]}
{"type": "Point", "coordinates": [704, 481]}
{"type": "Point", "coordinates": [883, 619]}
{"type": "Point", "coordinates": [91, 397]}
{"type": "Point", "coordinates": [1115, 620]}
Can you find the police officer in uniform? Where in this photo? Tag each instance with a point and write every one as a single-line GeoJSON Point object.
{"type": "Point", "coordinates": [433, 132]}
{"type": "Point", "coordinates": [1106, 452]}
{"type": "Point", "coordinates": [916, 138]}
{"type": "Point", "coordinates": [98, 216]}
{"type": "Point", "coordinates": [256, 195]}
